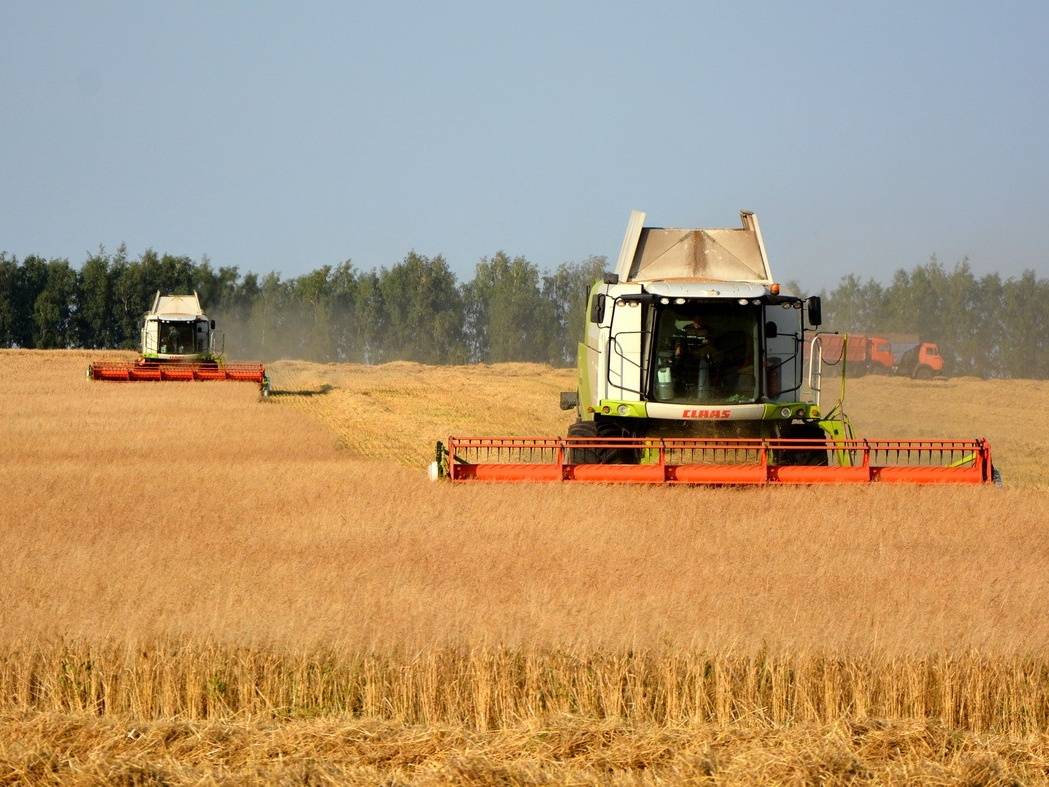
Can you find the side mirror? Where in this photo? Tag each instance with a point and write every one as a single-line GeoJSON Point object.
{"type": "Point", "coordinates": [815, 308]}
{"type": "Point", "coordinates": [597, 308]}
{"type": "Point", "coordinates": [771, 330]}
{"type": "Point", "coordinates": [569, 400]}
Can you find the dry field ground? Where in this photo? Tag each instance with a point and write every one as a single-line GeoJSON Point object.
{"type": "Point", "coordinates": [202, 586]}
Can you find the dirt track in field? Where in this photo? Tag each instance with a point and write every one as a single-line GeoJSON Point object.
{"type": "Point", "coordinates": [400, 410]}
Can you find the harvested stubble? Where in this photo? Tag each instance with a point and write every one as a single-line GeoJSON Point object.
{"type": "Point", "coordinates": [191, 551]}
{"type": "Point", "coordinates": [75, 749]}
{"type": "Point", "coordinates": [492, 689]}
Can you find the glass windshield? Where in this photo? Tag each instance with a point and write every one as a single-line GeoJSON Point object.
{"type": "Point", "coordinates": [705, 353]}
{"type": "Point", "coordinates": [182, 337]}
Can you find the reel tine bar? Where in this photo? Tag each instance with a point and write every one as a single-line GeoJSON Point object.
{"type": "Point", "coordinates": [719, 461]}
{"type": "Point", "coordinates": [132, 371]}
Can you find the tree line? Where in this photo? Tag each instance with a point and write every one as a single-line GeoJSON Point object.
{"type": "Point", "coordinates": [417, 310]}
{"type": "Point", "coordinates": [985, 327]}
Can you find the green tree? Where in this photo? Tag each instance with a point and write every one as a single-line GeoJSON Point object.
{"type": "Point", "coordinates": [175, 275]}
{"type": "Point", "coordinates": [506, 316]}
{"type": "Point", "coordinates": [216, 289]}
{"type": "Point", "coordinates": [311, 310]}
{"type": "Point", "coordinates": [519, 319]}
{"type": "Point", "coordinates": [10, 277]}
{"type": "Point", "coordinates": [854, 306]}
{"type": "Point", "coordinates": [31, 281]}
{"type": "Point", "coordinates": [989, 335]}
{"type": "Point", "coordinates": [956, 321]}
{"type": "Point", "coordinates": [371, 319]}
{"type": "Point", "coordinates": [131, 298]}
{"type": "Point", "coordinates": [342, 314]}
{"type": "Point", "coordinates": [94, 303]}
{"type": "Point", "coordinates": [425, 311]}
{"type": "Point", "coordinates": [268, 324]}
{"type": "Point", "coordinates": [1022, 344]}
{"type": "Point", "coordinates": [53, 308]}
{"type": "Point", "coordinates": [566, 291]}
{"type": "Point", "coordinates": [233, 313]}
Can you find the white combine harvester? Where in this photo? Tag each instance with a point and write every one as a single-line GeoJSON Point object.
{"type": "Point", "coordinates": [695, 368]}
{"type": "Point", "coordinates": [179, 342]}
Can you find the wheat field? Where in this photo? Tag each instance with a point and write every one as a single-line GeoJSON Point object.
{"type": "Point", "coordinates": [204, 586]}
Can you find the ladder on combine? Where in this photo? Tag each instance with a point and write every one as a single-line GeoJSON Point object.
{"type": "Point", "coordinates": [714, 461]}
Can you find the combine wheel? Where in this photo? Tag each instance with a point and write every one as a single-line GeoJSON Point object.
{"type": "Point", "coordinates": [923, 372]}
{"type": "Point", "coordinates": [617, 456]}
{"type": "Point", "coordinates": [591, 430]}
{"type": "Point", "coordinates": [586, 430]}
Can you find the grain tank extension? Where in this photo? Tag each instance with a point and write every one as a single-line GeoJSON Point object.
{"type": "Point", "coordinates": [696, 368]}
{"type": "Point", "coordinates": [179, 343]}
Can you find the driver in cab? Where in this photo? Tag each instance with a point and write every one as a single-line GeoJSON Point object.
{"type": "Point", "coordinates": [696, 337]}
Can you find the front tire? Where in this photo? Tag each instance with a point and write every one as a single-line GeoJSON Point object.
{"type": "Point", "coordinates": [584, 430]}
{"type": "Point", "coordinates": [617, 456]}
{"type": "Point", "coordinates": [591, 430]}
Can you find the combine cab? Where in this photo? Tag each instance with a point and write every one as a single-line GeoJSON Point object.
{"type": "Point", "coordinates": [179, 342]}
{"type": "Point", "coordinates": [695, 368]}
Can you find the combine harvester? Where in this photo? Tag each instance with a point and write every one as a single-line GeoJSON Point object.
{"type": "Point", "coordinates": [693, 369]}
{"type": "Point", "coordinates": [179, 342]}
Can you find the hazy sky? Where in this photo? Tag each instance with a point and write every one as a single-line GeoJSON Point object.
{"type": "Point", "coordinates": [867, 136]}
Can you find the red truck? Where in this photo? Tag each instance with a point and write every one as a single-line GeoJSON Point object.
{"type": "Point", "coordinates": [917, 359]}
{"type": "Point", "coordinates": [903, 354]}
{"type": "Point", "coordinates": [863, 354]}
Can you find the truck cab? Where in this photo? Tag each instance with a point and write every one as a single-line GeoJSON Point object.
{"type": "Point", "coordinates": [922, 361]}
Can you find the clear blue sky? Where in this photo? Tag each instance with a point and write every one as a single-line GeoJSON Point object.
{"type": "Point", "coordinates": [288, 136]}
